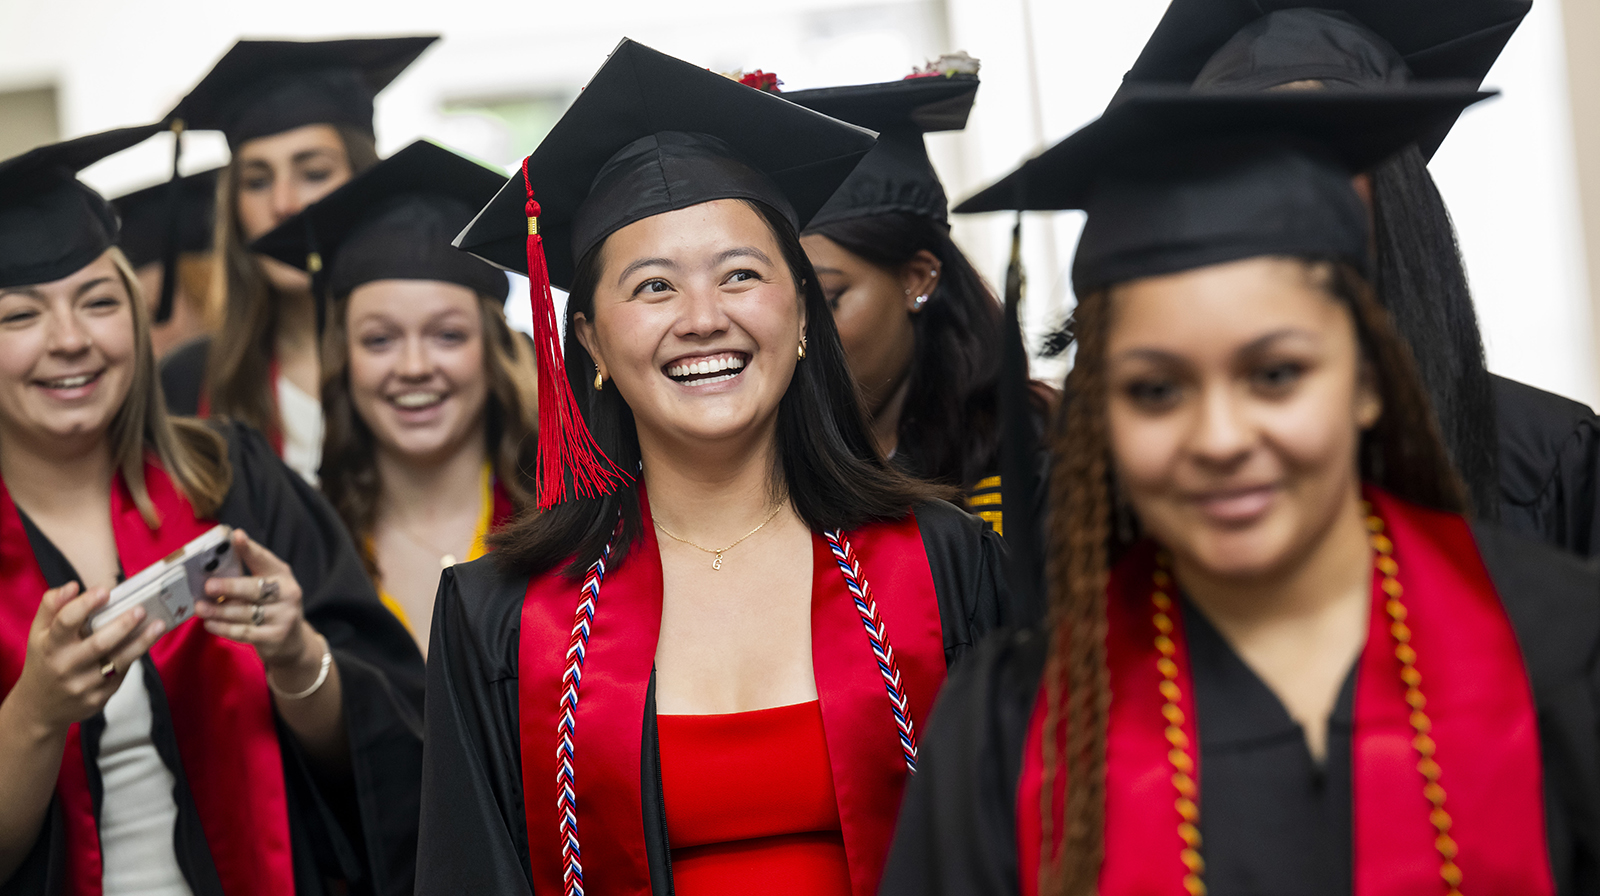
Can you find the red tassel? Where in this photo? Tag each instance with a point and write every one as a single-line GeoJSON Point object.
{"type": "Point", "coordinates": [565, 443]}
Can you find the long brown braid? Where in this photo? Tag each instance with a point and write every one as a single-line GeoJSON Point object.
{"type": "Point", "coordinates": [1078, 570]}
{"type": "Point", "coordinates": [1403, 453]}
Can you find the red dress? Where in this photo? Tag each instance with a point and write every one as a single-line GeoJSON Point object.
{"type": "Point", "coordinates": [750, 803]}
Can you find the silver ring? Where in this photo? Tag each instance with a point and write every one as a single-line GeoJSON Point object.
{"type": "Point", "coordinates": [269, 591]}
{"type": "Point", "coordinates": [108, 668]}
{"type": "Point", "coordinates": [258, 615]}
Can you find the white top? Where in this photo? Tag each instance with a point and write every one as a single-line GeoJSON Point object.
{"type": "Point", "coordinates": [301, 415]}
{"type": "Point", "coordinates": [137, 812]}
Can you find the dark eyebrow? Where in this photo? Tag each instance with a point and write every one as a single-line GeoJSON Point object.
{"type": "Point", "coordinates": [742, 252]}
{"type": "Point", "coordinates": [645, 263]}
{"type": "Point", "coordinates": [1263, 342]}
{"type": "Point", "coordinates": [1254, 346]}
{"type": "Point", "coordinates": [828, 271]}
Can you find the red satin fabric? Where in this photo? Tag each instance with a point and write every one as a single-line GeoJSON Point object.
{"type": "Point", "coordinates": [750, 797]}
{"type": "Point", "coordinates": [221, 710]}
{"type": "Point", "coordinates": [1479, 699]}
{"type": "Point", "coordinates": [864, 751]}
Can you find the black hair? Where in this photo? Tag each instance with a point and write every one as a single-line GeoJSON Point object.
{"type": "Point", "coordinates": [828, 466]}
{"type": "Point", "coordinates": [949, 430]}
{"type": "Point", "coordinates": [1420, 280]}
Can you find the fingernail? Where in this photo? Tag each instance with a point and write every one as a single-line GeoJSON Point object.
{"type": "Point", "coordinates": [138, 613]}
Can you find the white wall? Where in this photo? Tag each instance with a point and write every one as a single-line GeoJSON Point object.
{"type": "Point", "coordinates": [1508, 175]}
{"type": "Point", "coordinates": [1507, 172]}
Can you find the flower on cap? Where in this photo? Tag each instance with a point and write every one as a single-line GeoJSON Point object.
{"type": "Point", "coordinates": [766, 82]}
{"type": "Point", "coordinates": [946, 66]}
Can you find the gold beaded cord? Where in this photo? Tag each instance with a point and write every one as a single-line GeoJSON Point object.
{"type": "Point", "coordinates": [1183, 782]}
{"type": "Point", "coordinates": [1182, 763]}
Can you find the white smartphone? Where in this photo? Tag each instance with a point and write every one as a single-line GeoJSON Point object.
{"type": "Point", "coordinates": [168, 588]}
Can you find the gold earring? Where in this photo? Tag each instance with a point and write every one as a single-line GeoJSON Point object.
{"type": "Point", "coordinates": [802, 348]}
{"type": "Point", "coordinates": [599, 380]}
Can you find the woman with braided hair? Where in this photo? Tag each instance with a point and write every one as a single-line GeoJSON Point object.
{"type": "Point", "coordinates": [1280, 658]}
{"type": "Point", "coordinates": [704, 663]}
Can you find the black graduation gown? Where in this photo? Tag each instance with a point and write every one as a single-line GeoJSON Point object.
{"type": "Point", "coordinates": [474, 826]}
{"type": "Point", "coordinates": [1549, 467]}
{"type": "Point", "coordinates": [957, 831]}
{"type": "Point", "coordinates": [183, 376]}
{"type": "Point", "coordinates": [362, 831]}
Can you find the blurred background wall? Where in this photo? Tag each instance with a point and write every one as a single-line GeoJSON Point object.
{"type": "Point", "coordinates": [1521, 174]}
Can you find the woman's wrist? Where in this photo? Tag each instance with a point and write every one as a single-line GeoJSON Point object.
{"type": "Point", "coordinates": [299, 666]}
{"type": "Point", "coordinates": [19, 716]}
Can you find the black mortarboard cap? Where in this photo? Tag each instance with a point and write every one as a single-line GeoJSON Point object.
{"type": "Point", "coordinates": [264, 87]}
{"type": "Point", "coordinates": [1367, 44]}
{"type": "Point", "coordinates": [394, 221]}
{"type": "Point", "coordinates": [144, 215]}
{"type": "Point", "coordinates": [896, 176]}
{"type": "Point", "coordinates": [51, 225]}
{"type": "Point", "coordinates": [1173, 179]}
{"type": "Point", "coordinates": [650, 134]}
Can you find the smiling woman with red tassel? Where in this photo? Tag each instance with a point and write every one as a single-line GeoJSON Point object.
{"type": "Point", "coordinates": [721, 682]}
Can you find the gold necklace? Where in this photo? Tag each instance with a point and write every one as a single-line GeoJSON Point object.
{"type": "Point", "coordinates": [1183, 764]}
{"type": "Point", "coordinates": [717, 563]}
{"type": "Point", "coordinates": [447, 559]}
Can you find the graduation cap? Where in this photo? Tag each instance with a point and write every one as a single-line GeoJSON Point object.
{"type": "Point", "coordinates": [144, 217]}
{"type": "Point", "coordinates": [1364, 44]}
{"type": "Point", "coordinates": [265, 87]}
{"type": "Point", "coordinates": [51, 225]}
{"type": "Point", "coordinates": [1173, 179]}
{"type": "Point", "coordinates": [649, 134]}
{"type": "Point", "coordinates": [394, 221]}
{"type": "Point", "coordinates": [896, 176]}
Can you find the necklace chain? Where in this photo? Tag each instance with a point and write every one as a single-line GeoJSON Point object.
{"type": "Point", "coordinates": [447, 559]}
{"type": "Point", "coordinates": [1183, 764]}
{"type": "Point", "coordinates": [717, 562]}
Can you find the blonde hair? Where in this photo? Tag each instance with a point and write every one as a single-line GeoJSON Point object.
{"type": "Point", "coordinates": [193, 454]}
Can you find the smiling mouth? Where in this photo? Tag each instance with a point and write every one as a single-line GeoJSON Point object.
{"type": "Point", "coordinates": [416, 401]}
{"type": "Point", "coordinates": [1238, 505]}
{"type": "Point", "coordinates": [76, 381]}
{"type": "Point", "coordinates": [709, 369]}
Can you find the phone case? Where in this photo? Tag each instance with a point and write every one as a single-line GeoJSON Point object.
{"type": "Point", "coordinates": [168, 588]}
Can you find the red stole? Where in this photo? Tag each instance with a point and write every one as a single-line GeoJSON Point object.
{"type": "Point", "coordinates": [869, 769]}
{"type": "Point", "coordinates": [221, 710]}
{"type": "Point", "coordinates": [1479, 699]}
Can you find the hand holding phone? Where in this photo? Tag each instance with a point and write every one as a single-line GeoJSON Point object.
{"type": "Point", "coordinates": [168, 588]}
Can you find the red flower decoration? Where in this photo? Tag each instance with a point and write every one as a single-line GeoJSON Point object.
{"type": "Point", "coordinates": [766, 82]}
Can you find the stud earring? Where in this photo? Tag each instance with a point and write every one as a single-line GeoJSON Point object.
{"type": "Point", "coordinates": [802, 352]}
{"type": "Point", "coordinates": [918, 302]}
{"type": "Point", "coordinates": [599, 380]}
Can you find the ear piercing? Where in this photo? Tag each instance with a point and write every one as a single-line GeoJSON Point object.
{"type": "Point", "coordinates": [599, 380]}
{"type": "Point", "coordinates": [802, 352]}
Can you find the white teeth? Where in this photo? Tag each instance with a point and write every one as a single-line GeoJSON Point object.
{"type": "Point", "coordinates": [417, 399]}
{"type": "Point", "coordinates": [69, 382]}
{"type": "Point", "coordinates": [707, 365]}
